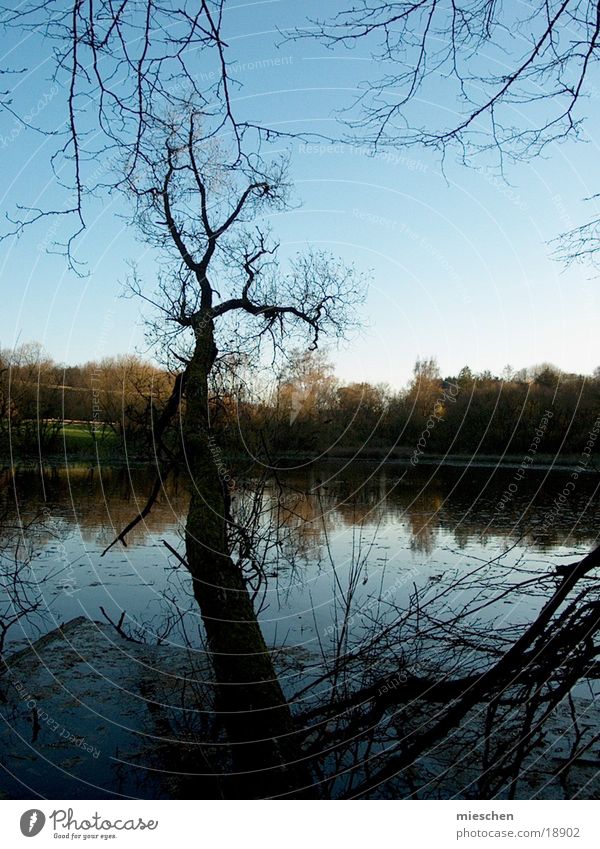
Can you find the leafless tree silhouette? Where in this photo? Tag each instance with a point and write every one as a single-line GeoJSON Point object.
{"type": "Point", "coordinates": [202, 188]}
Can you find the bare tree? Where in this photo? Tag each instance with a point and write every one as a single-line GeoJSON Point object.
{"type": "Point", "coordinates": [202, 195]}
{"type": "Point", "coordinates": [122, 67]}
{"type": "Point", "coordinates": [170, 140]}
{"type": "Point", "coordinates": [219, 275]}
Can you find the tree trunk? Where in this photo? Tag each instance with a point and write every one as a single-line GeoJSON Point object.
{"type": "Point", "coordinates": [255, 713]}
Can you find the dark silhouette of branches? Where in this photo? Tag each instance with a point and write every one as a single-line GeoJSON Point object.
{"type": "Point", "coordinates": [122, 69]}
{"type": "Point", "coordinates": [580, 244]}
{"type": "Point", "coordinates": [495, 61]}
{"type": "Point", "coordinates": [533, 675]}
{"type": "Point", "coordinates": [227, 264]}
{"type": "Point", "coordinates": [476, 76]}
{"type": "Point", "coordinates": [22, 602]}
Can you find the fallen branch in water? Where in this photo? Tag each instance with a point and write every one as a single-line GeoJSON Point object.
{"type": "Point", "coordinates": [118, 626]}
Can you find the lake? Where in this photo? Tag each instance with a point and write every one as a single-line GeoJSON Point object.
{"type": "Point", "coordinates": [400, 526]}
{"type": "Point", "coordinates": [356, 546]}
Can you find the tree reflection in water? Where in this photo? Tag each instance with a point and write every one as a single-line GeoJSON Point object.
{"type": "Point", "coordinates": [426, 683]}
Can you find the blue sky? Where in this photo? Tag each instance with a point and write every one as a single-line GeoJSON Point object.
{"type": "Point", "coordinates": [460, 262]}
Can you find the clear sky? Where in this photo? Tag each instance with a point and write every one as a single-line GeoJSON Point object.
{"type": "Point", "coordinates": [461, 267]}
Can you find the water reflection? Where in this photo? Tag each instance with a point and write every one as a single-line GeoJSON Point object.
{"type": "Point", "coordinates": [425, 503]}
{"type": "Point", "coordinates": [97, 502]}
{"type": "Point", "coordinates": [424, 524]}
{"type": "Point", "coordinates": [405, 537]}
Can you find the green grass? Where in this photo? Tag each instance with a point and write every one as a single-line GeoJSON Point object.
{"type": "Point", "coordinates": [77, 438]}
{"type": "Point", "coordinates": [71, 439]}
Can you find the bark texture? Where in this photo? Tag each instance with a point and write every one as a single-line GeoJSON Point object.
{"type": "Point", "coordinates": [255, 713]}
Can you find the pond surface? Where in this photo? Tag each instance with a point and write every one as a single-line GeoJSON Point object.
{"type": "Point", "coordinates": [394, 528]}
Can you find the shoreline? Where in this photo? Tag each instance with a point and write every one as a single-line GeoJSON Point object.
{"type": "Point", "coordinates": [395, 457]}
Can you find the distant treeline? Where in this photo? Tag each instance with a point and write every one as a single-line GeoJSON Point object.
{"type": "Point", "coordinates": [305, 409]}
{"type": "Point", "coordinates": [113, 400]}
{"type": "Point", "coordinates": [539, 410]}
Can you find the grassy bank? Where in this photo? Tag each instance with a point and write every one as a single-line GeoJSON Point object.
{"type": "Point", "coordinates": [75, 442]}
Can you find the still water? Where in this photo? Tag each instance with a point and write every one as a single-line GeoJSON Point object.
{"type": "Point", "coordinates": [392, 528]}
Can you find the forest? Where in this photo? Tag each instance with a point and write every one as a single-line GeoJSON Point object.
{"type": "Point", "coordinates": [48, 408]}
